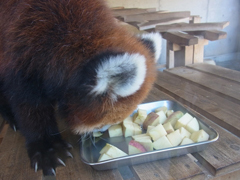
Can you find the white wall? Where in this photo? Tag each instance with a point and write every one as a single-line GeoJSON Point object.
{"type": "Point", "coordinates": [210, 11]}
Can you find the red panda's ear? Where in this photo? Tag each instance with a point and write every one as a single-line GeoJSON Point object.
{"type": "Point", "coordinates": [118, 74]}
{"type": "Point", "coordinates": [153, 41]}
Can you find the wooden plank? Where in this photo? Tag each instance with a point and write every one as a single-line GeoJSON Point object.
{"type": "Point", "coordinates": [216, 108]}
{"type": "Point", "coordinates": [198, 51]}
{"type": "Point", "coordinates": [130, 11]}
{"type": "Point", "coordinates": [180, 38]}
{"type": "Point", "coordinates": [222, 156]}
{"type": "Point", "coordinates": [211, 35]}
{"type": "Point", "coordinates": [222, 72]}
{"type": "Point", "coordinates": [174, 46]}
{"type": "Point", "coordinates": [181, 167]}
{"type": "Point", "coordinates": [154, 23]}
{"type": "Point", "coordinates": [155, 16]}
{"type": "Point", "coordinates": [192, 27]}
{"type": "Point", "coordinates": [217, 85]}
{"type": "Point", "coordinates": [169, 55]}
{"type": "Point", "coordinates": [195, 19]}
{"type": "Point", "coordinates": [184, 56]}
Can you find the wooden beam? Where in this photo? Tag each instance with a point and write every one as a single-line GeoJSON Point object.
{"type": "Point", "coordinates": [154, 23]}
{"type": "Point", "coordinates": [195, 19]}
{"type": "Point", "coordinates": [212, 35]}
{"type": "Point", "coordinates": [192, 27]}
{"type": "Point", "coordinates": [121, 12]}
{"type": "Point", "coordinates": [180, 38]}
{"type": "Point", "coordinates": [155, 16]}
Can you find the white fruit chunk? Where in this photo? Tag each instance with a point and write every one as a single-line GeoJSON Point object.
{"type": "Point", "coordinates": [147, 143]}
{"type": "Point", "coordinates": [182, 122]}
{"type": "Point", "coordinates": [141, 136]}
{"type": "Point", "coordinates": [110, 151]}
{"type": "Point", "coordinates": [199, 136]}
{"type": "Point", "coordinates": [97, 134]}
{"type": "Point", "coordinates": [157, 132]}
{"type": "Point", "coordinates": [115, 130]}
{"type": "Point", "coordinates": [168, 127]}
{"type": "Point", "coordinates": [140, 117]}
{"type": "Point", "coordinates": [175, 138]}
{"type": "Point", "coordinates": [161, 143]}
{"type": "Point", "coordinates": [151, 120]}
{"type": "Point", "coordinates": [149, 128]}
{"type": "Point", "coordinates": [163, 108]}
{"type": "Point", "coordinates": [184, 133]}
{"type": "Point", "coordinates": [131, 129]}
{"type": "Point", "coordinates": [192, 126]}
{"type": "Point", "coordinates": [186, 141]}
{"type": "Point", "coordinates": [174, 117]}
{"type": "Point", "coordinates": [169, 112]}
{"type": "Point", "coordinates": [135, 147]}
{"type": "Point", "coordinates": [162, 117]}
{"type": "Point", "coordinates": [104, 157]}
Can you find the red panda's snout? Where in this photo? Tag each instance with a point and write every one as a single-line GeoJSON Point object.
{"type": "Point", "coordinates": [113, 84]}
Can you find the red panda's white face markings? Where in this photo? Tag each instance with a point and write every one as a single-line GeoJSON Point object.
{"type": "Point", "coordinates": [123, 75]}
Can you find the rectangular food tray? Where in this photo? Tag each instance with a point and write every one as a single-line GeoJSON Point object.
{"type": "Point", "coordinates": [90, 147]}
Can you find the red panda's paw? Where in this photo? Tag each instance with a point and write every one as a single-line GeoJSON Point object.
{"type": "Point", "coordinates": [153, 41]}
{"type": "Point", "coordinates": [47, 155]}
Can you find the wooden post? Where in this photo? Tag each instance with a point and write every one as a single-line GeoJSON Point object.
{"type": "Point", "coordinates": [170, 56]}
{"type": "Point", "coordinates": [184, 56]}
{"type": "Point", "coordinates": [198, 51]}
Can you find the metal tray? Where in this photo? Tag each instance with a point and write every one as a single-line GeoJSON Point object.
{"type": "Point", "coordinates": [90, 148]}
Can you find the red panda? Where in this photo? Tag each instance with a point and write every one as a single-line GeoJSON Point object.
{"type": "Point", "coordinates": [74, 54]}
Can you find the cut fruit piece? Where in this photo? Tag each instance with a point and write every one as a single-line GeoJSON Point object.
{"type": "Point", "coordinates": [140, 116]}
{"type": "Point", "coordinates": [104, 157]}
{"type": "Point", "coordinates": [186, 141]}
{"type": "Point", "coordinates": [184, 133]}
{"type": "Point", "coordinates": [147, 143]}
{"type": "Point", "coordinates": [163, 108]}
{"type": "Point", "coordinates": [131, 129]}
{"type": "Point", "coordinates": [173, 118]}
{"type": "Point", "coordinates": [105, 148]}
{"type": "Point", "coordinates": [175, 138]}
{"type": "Point", "coordinates": [162, 143]}
{"type": "Point", "coordinates": [169, 112]}
{"type": "Point", "coordinates": [151, 120]}
{"type": "Point", "coordinates": [141, 136]}
{"type": "Point", "coordinates": [149, 128]}
{"type": "Point", "coordinates": [199, 136]}
{"type": "Point", "coordinates": [97, 134]}
{"type": "Point", "coordinates": [162, 117]}
{"type": "Point", "coordinates": [193, 125]}
{"type": "Point", "coordinates": [115, 130]}
{"type": "Point", "coordinates": [168, 127]}
{"type": "Point", "coordinates": [135, 147]}
{"type": "Point", "coordinates": [182, 122]}
{"type": "Point", "coordinates": [157, 132]}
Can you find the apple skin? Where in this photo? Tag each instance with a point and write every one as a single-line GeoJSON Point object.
{"type": "Point", "coordinates": [139, 147]}
{"type": "Point", "coordinates": [152, 119]}
{"type": "Point", "coordinates": [174, 117]}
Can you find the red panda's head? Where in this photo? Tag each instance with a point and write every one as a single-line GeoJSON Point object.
{"type": "Point", "coordinates": [112, 84]}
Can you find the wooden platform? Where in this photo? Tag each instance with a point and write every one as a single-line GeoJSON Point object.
{"type": "Point", "coordinates": [211, 91]}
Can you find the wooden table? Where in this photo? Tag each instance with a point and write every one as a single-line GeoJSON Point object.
{"type": "Point", "coordinates": [211, 91]}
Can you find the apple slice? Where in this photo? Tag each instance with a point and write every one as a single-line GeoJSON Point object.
{"type": "Point", "coordinates": [163, 108]}
{"type": "Point", "coordinates": [141, 136]}
{"type": "Point", "coordinates": [147, 143]}
{"type": "Point", "coordinates": [162, 143]}
{"type": "Point", "coordinates": [175, 138]}
{"type": "Point", "coordinates": [184, 133]}
{"type": "Point", "coordinates": [182, 122]}
{"type": "Point", "coordinates": [151, 120]}
{"type": "Point", "coordinates": [157, 132]}
{"type": "Point", "coordinates": [115, 130]}
{"type": "Point", "coordinates": [149, 128]}
{"type": "Point", "coordinates": [199, 136]}
{"type": "Point", "coordinates": [193, 125]}
{"type": "Point", "coordinates": [135, 147]}
{"type": "Point", "coordinates": [174, 117]}
{"type": "Point", "coordinates": [140, 116]}
{"type": "Point", "coordinates": [162, 117]}
{"type": "Point", "coordinates": [104, 157]}
{"type": "Point", "coordinates": [186, 141]}
{"type": "Point", "coordinates": [97, 134]}
{"type": "Point", "coordinates": [169, 112]}
{"type": "Point", "coordinates": [168, 127]}
{"type": "Point", "coordinates": [131, 129]}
